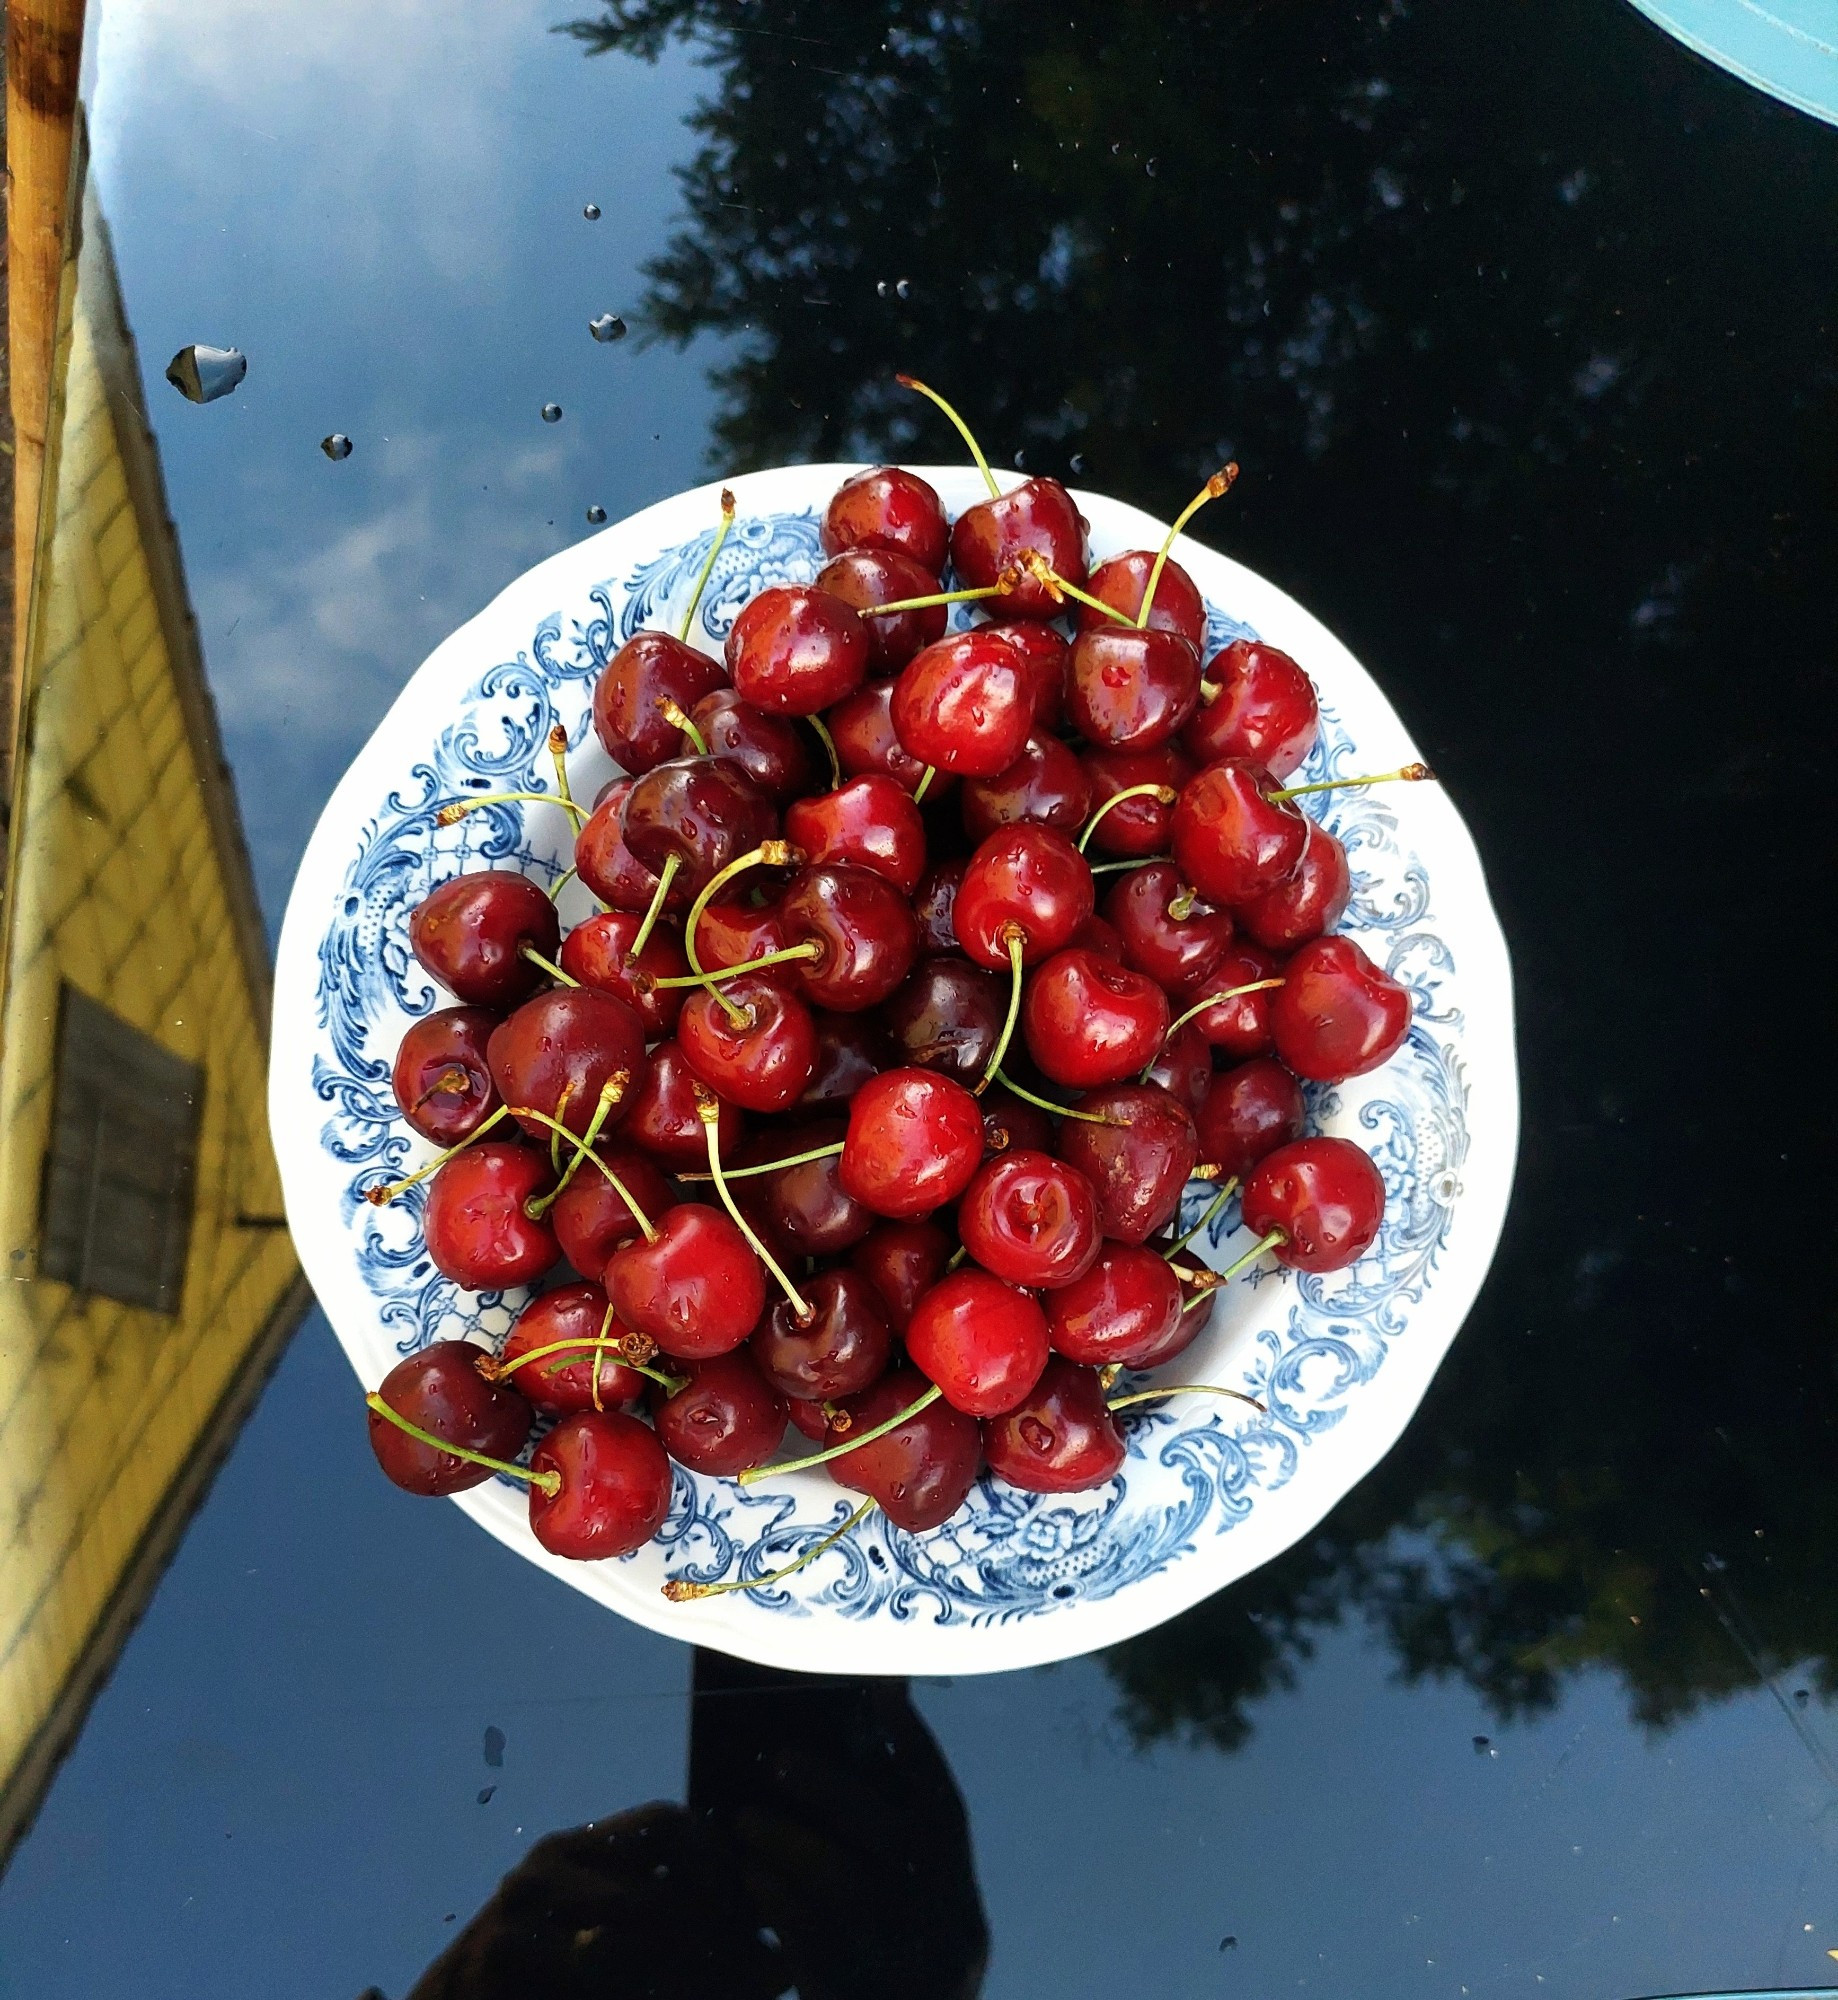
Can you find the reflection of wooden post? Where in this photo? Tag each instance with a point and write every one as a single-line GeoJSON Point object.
{"type": "Point", "coordinates": [44, 49]}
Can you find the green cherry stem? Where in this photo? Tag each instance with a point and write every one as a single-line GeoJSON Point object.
{"type": "Point", "coordinates": [924, 1400]}
{"type": "Point", "coordinates": [768, 854]}
{"type": "Point", "coordinates": [962, 428]}
{"type": "Point", "coordinates": [672, 862]}
{"type": "Point", "coordinates": [456, 810]}
{"type": "Point", "coordinates": [1141, 861]}
{"type": "Point", "coordinates": [1268, 1241]}
{"type": "Point", "coordinates": [549, 1482]}
{"type": "Point", "coordinates": [1057, 587]}
{"type": "Point", "coordinates": [1226, 1191]}
{"type": "Point", "coordinates": [678, 717]}
{"type": "Point", "coordinates": [1166, 794]}
{"type": "Point", "coordinates": [673, 1383]}
{"type": "Point", "coordinates": [924, 785]}
{"type": "Point", "coordinates": [558, 756]}
{"type": "Point", "coordinates": [791, 951]}
{"type": "Point", "coordinates": [771, 1166]}
{"type": "Point", "coordinates": [548, 965]}
{"type": "Point", "coordinates": [611, 1091]}
{"type": "Point", "coordinates": [561, 1131]}
{"type": "Point", "coordinates": [714, 549]}
{"type": "Point", "coordinates": [824, 737]}
{"type": "Point", "coordinates": [708, 1109]}
{"type": "Point", "coordinates": [1012, 936]}
{"type": "Point", "coordinates": [1212, 1000]}
{"type": "Point", "coordinates": [1216, 485]}
{"type": "Point", "coordinates": [1186, 1389]}
{"type": "Point", "coordinates": [1406, 774]}
{"type": "Point", "coordinates": [680, 1591]}
{"type": "Point", "coordinates": [379, 1195]}
{"type": "Point", "coordinates": [1000, 588]}
{"type": "Point", "coordinates": [1014, 1089]}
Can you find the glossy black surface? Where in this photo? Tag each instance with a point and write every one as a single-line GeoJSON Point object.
{"type": "Point", "coordinates": [1520, 323]}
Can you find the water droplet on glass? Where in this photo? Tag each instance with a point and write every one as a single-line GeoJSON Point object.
{"type": "Point", "coordinates": [1078, 464]}
{"type": "Point", "coordinates": [592, 211]}
{"type": "Point", "coordinates": [904, 288]}
{"type": "Point", "coordinates": [881, 289]}
{"type": "Point", "coordinates": [1021, 461]}
{"type": "Point", "coordinates": [494, 1747]}
{"type": "Point", "coordinates": [552, 413]}
{"type": "Point", "coordinates": [202, 374]}
{"type": "Point", "coordinates": [609, 326]}
{"type": "Point", "coordinates": [596, 513]}
{"type": "Point", "coordinates": [1116, 147]}
{"type": "Point", "coordinates": [1228, 1944]}
{"type": "Point", "coordinates": [485, 1795]}
{"type": "Point", "coordinates": [1481, 1746]}
{"type": "Point", "coordinates": [336, 446]}
{"type": "Point", "coordinates": [1802, 1696]}
{"type": "Point", "coordinates": [1151, 168]}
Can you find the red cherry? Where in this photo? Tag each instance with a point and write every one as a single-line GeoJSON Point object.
{"type": "Point", "coordinates": [1326, 1197]}
{"type": "Point", "coordinates": [441, 1078]}
{"type": "Point", "coordinates": [934, 903]}
{"type": "Point", "coordinates": [1031, 1220]}
{"type": "Point", "coordinates": [864, 933]}
{"type": "Point", "coordinates": [1240, 1027]}
{"type": "Point", "coordinates": [1099, 938]}
{"type": "Point", "coordinates": [1142, 825]}
{"type": "Point", "coordinates": [727, 1420]}
{"type": "Point", "coordinates": [476, 1230]}
{"type": "Point", "coordinates": [1139, 1163]}
{"type": "Point", "coordinates": [887, 507]}
{"type": "Point", "coordinates": [597, 951]}
{"type": "Point", "coordinates": [1184, 1067]}
{"type": "Point", "coordinates": [771, 749]}
{"type": "Point", "coordinates": [695, 1286]}
{"type": "Point", "coordinates": [1337, 1014]}
{"type": "Point", "coordinates": [1089, 1022]}
{"type": "Point", "coordinates": [1248, 1112]}
{"type": "Point", "coordinates": [590, 1216]}
{"type": "Point", "coordinates": [610, 868]}
{"type": "Point", "coordinates": [1011, 1126]}
{"type": "Point", "coordinates": [983, 1342]}
{"type": "Point", "coordinates": [964, 704]}
{"type": "Point", "coordinates": [1231, 839]}
{"type": "Point", "coordinates": [863, 578]}
{"type": "Point", "coordinates": [762, 1061]}
{"type": "Point", "coordinates": [915, 1138]}
{"type": "Point", "coordinates": [869, 822]}
{"type": "Point", "coordinates": [701, 813]}
{"type": "Point", "coordinates": [661, 1115]}
{"type": "Point", "coordinates": [565, 1381]}
{"type": "Point", "coordinates": [1265, 712]}
{"type": "Point", "coordinates": [1045, 783]}
{"type": "Point", "coordinates": [923, 1469]}
{"type": "Point", "coordinates": [738, 932]}
{"type": "Point", "coordinates": [796, 649]}
{"type": "Point", "coordinates": [1029, 877]}
{"type": "Point", "coordinates": [1131, 689]}
{"type": "Point", "coordinates": [866, 742]}
{"type": "Point", "coordinates": [440, 1389]}
{"type": "Point", "coordinates": [1177, 952]}
{"type": "Point", "coordinates": [811, 1420]}
{"type": "Point", "coordinates": [902, 1261]}
{"type": "Point", "coordinates": [806, 1204]}
{"type": "Point", "coordinates": [1126, 1306]}
{"type": "Point", "coordinates": [947, 1017]}
{"type": "Point", "coordinates": [1119, 581]}
{"type": "Point", "coordinates": [990, 537]}
{"type": "Point", "coordinates": [650, 671]}
{"type": "Point", "coordinates": [556, 1052]}
{"type": "Point", "coordinates": [470, 933]}
{"type": "Point", "coordinates": [850, 1049]}
{"type": "Point", "coordinates": [1044, 656]}
{"type": "Point", "coordinates": [1062, 1439]}
{"type": "Point", "coordinates": [1308, 903]}
{"type": "Point", "coordinates": [839, 1350]}
{"type": "Point", "coordinates": [615, 1486]}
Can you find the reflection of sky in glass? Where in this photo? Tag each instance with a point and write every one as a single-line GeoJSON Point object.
{"type": "Point", "coordinates": [379, 201]}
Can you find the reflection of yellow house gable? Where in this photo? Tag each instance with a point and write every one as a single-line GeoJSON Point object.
{"type": "Point", "coordinates": [148, 1140]}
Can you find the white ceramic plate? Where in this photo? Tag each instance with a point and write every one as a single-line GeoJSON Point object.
{"type": "Point", "coordinates": [1210, 1489]}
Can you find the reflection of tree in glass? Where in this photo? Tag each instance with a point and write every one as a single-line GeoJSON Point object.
{"type": "Point", "coordinates": [1519, 347]}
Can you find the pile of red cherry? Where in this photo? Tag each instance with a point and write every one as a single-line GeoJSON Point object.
{"type": "Point", "coordinates": [877, 896]}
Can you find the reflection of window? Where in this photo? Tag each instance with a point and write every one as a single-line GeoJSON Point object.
{"type": "Point", "coordinates": [124, 1149]}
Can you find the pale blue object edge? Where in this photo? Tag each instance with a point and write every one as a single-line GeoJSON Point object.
{"type": "Point", "coordinates": [1789, 48]}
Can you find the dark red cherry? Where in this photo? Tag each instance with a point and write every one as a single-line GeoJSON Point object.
{"type": "Point", "coordinates": [470, 933]}
{"type": "Point", "coordinates": [964, 705]}
{"type": "Point", "coordinates": [1325, 1195]}
{"type": "Point", "coordinates": [1027, 876]}
{"type": "Point", "coordinates": [1183, 1066]}
{"type": "Point", "coordinates": [806, 1204]}
{"type": "Point", "coordinates": [555, 1052]}
{"type": "Point", "coordinates": [609, 867]}
{"type": "Point", "coordinates": [1131, 689]}
{"type": "Point", "coordinates": [866, 743]}
{"type": "Point", "coordinates": [902, 1261]}
{"type": "Point", "coordinates": [933, 904]}
{"type": "Point", "coordinates": [988, 538]}
{"type": "Point", "coordinates": [590, 1216]}
{"type": "Point", "coordinates": [811, 1420]}
{"type": "Point", "coordinates": [1308, 903]}
{"type": "Point", "coordinates": [651, 671]}
{"type": "Point", "coordinates": [1062, 1439]}
{"type": "Point", "coordinates": [915, 1138]}
{"type": "Point", "coordinates": [1192, 1321]}
{"type": "Point", "coordinates": [441, 1078]}
{"type": "Point", "coordinates": [869, 822]}
{"type": "Point", "coordinates": [1231, 839]}
{"type": "Point", "coordinates": [705, 811]}
{"type": "Point", "coordinates": [982, 1341]}
{"type": "Point", "coordinates": [1099, 938]}
{"type": "Point", "coordinates": [1120, 581]}
{"type": "Point", "coordinates": [596, 953]}
{"type": "Point", "coordinates": [863, 578]}
{"type": "Point", "coordinates": [887, 507]}
{"type": "Point", "coordinates": [1126, 1306]}
{"type": "Point", "coordinates": [760, 1062]}
{"type": "Point", "coordinates": [1013, 1126]}
{"type": "Point", "coordinates": [615, 1486]}
{"type": "Point", "coordinates": [1239, 1028]}
{"type": "Point", "coordinates": [795, 649]}
{"type": "Point", "coordinates": [1265, 712]}
{"type": "Point", "coordinates": [738, 932]}
{"type": "Point", "coordinates": [440, 1389]}
{"type": "Point", "coordinates": [567, 1381]}
{"type": "Point", "coordinates": [696, 1287]}
{"type": "Point", "coordinates": [1045, 783]}
{"type": "Point", "coordinates": [1176, 951]}
{"type": "Point", "coordinates": [1030, 1219]}
{"type": "Point", "coordinates": [1249, 1111]}
{"type": "Point", "coordinates": [660, 1116]}
{"type": "Point", "coordinates": [850, 1049]}
{"type": "Point", "coordinates": [772, 750]}
{"type": "Point", "coordinates": [1137, 1164]}
{"type": "Point", "coordinates": [727, 1420]}
{"type": "Point", "coordinates": [1337, 1014]}
{"type": "Point", "coordinates": [474, 1224]}
{"type": "Point", "coordinates": [1090, 1022]}
{"type": "Point", "coordinates": [1044, 655]}
{"type": "Point", "coordinates": [922, 1471]}
{"type": "Point", "coordinates": [865, 932]}
{"type": "Point", "coordinates": [1144, 824]}
{"type": "Point", "coordinates": [947, 1017]}
{"type": "Point", "coordinates": [844, 1345]}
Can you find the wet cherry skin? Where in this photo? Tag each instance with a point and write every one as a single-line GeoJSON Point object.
{"type": "Point", "coordinates": [1142, 825]}
{"type": "Point", "coordinates": [795, 649]}
{"type": "Point", "coordinates": [476, 1230]}
{"type": "Point", "coordinates": [946, 1016]}
{"type": "Point", "coordinates": [1137, 1165]}
{"type": "Point", "coordinates": [1305, 905]}
{"type": "Point", "coordinates": [762, 1065]}
{"type": "Point", "coordinates": [1011, 1125]}
{"type": "Point", "coordinates": [556, 1052]}
{"type": "Point", "coordinates": [1030, 1219]}
{"type": "Point", "coordinates": [1325, 1195]}
{"type": "Point", "coordinates": [660, 1116]}
{"type": "Point", "coordinates": [772, 750]}
{"type": "Point", "coordinates": [867, 743]}
{"type": "Point", "coordinates": [902, 1261]}
{"type": "Point", "coordinates": [1090, 1022]}
{"type": "Point", "coordinates": [806, 1204]}
{"type": "Point", "coordinates": [1178, 953]}
{"type": "Point", "coordinates": [564, 1382]}
{"type": "Point", "coordinates": [1248, 1112]}
{"type": "Point", "coordinates": [696, 1288]}
{"type": "Point", "coordinates": [914, 1140]}
{"type": "Point", "coordinates": [1230, 838]}
{"type": "Point", "coordinates": [591, 1219]}
{"type": "Point", "coordinates": [727, 1420]}
{"type": "Point", "coordinates": [982, 1341]}
{"type": "Point", "coordinates": [866, 932]}
{"type": "Point", "coordinates": [888, 507]}
{"type": "Point", "coordinates": [738, 932]}
{"type": "Point", "coordinates": [839, 1351]}
{"type": "Point", "coordinates": [704, 810]}
{"type": "Point", "coordinates": [921, 1471]}
{"type": "Point", "coordinates": [610, 868]}
{"type": "Point", "coordinates": [650, 669]}
{"type": "Point", "coordinates": [1099, 937]}
{"type": "Point", "coordinates": [1130, 689]}
{"type": "Point", "coordinates": [441, 1389]}
{"type": "Point", "coordinates": [1119, 581]}
{"type": "Point", "coordinates": [1266, 711]}
{"type": "Point", "coordinates": [1184, 1066]}
{"type": "Point", "coordinates": [1337, 1014]}
{"type": "Point", "coordinates": [1045, 783]}
{"type": "Point", "coordinates": [1044, 655]}
{"type": "Point", "coordinates": [934, 905]}
{"type": "Point", "coordinates": [470, 931]}
{"type": "Point", "coordinates": [615, 1488]}
{"type": "Point", "coordinates": [596, 953]}
{"type": "Point", "coordinates": [441, 1077]}
{"type": "Point", "coordinates": [1027, 876]}
{"type": "Point", "coordinates": [1062, 1439]}
{"type": "Point", "coordinates": [964, 704]}
{"type": "Point", "coordinates": [863, 578]}
{"type": "Point", "coordinates": [1127, 1306]}
{"type": "Point", "coordinates": [1239, 1028]}
{"type": "Point", "coordinates": [850, 1049]}
{"type": "Point", "coordinates": [1038, 514]}
{"type": "Point", "coordinates": [868, 822]}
